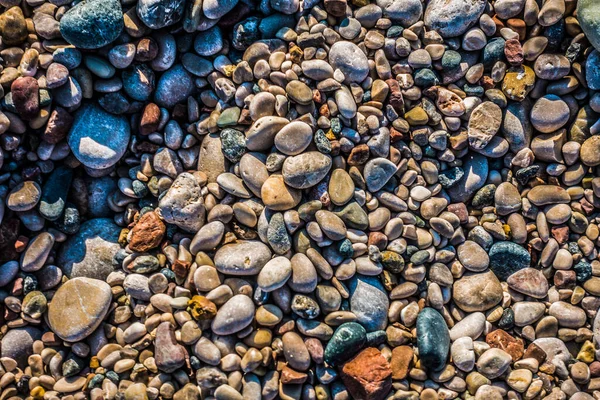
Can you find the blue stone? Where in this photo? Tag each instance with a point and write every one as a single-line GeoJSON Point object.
{"type": "Point", "coordinates": [506, 258]}
{"type": "Point", "coordinates": [92, 24]}
{"type": "Point", "coordinates": [54, 193]}
{"type": "Point", "coordinates": [493, 52]}
{"type": "Point", "coordinates": [433, 339]}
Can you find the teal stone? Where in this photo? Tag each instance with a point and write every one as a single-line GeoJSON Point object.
{"type": "Point", "coordinates": [588, 15]}
{"type": "Point", "coordinates": [54, 193]}
{"type": "Point", "coordinates": [451, 59]}
{"type": "Point", "coordinates": [426, 78]}
{"type": "Point", "coordinates": [347, 340]}
{"type": "Point", "coordinates": [433, 339]}
{"type": "Point", "coordinates": [270, 25]}
{"type": "Point", "coordinates": [92, 24]}
{"type": "Point", "coordinates": [493, 52]}
{"type": "Point", "coordinates": [506, 258]}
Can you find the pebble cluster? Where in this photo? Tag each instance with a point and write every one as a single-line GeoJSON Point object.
{"type": "Point", "coordinates": [299, 199]}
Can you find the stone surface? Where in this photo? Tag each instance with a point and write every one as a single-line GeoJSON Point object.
{"type": "Point", "coordinates": [78, 308]}
{"type": "Point", "coordinates": [92, 23]}
{"type": "Point", "coordinates": [368, 375]}
{"type": "Point", "coordinates": [433, 339]}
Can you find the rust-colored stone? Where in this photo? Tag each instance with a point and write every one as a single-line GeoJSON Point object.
{"type": "Point", "coordinates": [150, 119]}
{"type": "Point", "coordinates": [290, 376]}
{"type": "Point", "coordinates": [402, 357]}
{"type": "Point", "coordinates": [359, 155]}
{"type": "Point", "coordinates": [368, 376]}
{"type": "Point", "coordinates": [535, 351]}
{"type": "Point", "coordinates": [513, 52]}
{"type": "Point", "coordinates": [147, 233]}
{"type": "Point", "coordinates": [500, 339]}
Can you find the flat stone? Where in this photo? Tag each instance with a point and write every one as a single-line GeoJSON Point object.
{"type": "Point", "coordinates": [78, 307]}
{"type": "Point", "coordinates": [472, 326]}
{"type": "Point", "coordinates": [346, 341]}
{"type": "Point", "coordinates": [350, 59]}
{"type": "Point", "coordinates": [369, 302]}
{"type": "Point", "coordinates": [529, 281]}
{"type": "Point", "coordinates": [484, 123]}
{"type": "Point", "coordinates": [368, 375]}
{"type": "Point", "coordinates": [477, 292]}
{"type": "Point", "coordinates": [306, 170]}
{"type": "Point", "coordinates": [168, 354]}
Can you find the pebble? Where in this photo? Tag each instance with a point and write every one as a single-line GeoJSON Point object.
{"type": "Point", "coordinates": [92, 24]}
{"type": "Point", "coordinates": [433, 339]}
{"type": "Point", "coordinates": [233, 316]}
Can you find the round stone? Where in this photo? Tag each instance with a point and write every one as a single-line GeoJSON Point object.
{"type": "Point", "coordinates": [242, 258]}
{"type": "Point", "coordinates": [549, 114]}
{"type": "Point", "coordinates": [350, 59]}
{"type": "Point", "coordinates": [93, 23]}
{"type": "Point", "coordinates": [233, 316]}
{"type": "Point", "coordinates": [452, 18]}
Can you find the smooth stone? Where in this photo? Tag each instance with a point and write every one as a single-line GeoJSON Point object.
{"type": "Point", "coordinates": [24, 196]}
{"type": "Point", "coordinates": [278, 196]}
{"type": "Point", "coordinates": [261, 135]}
{"type": "Point", "coordinates": [433, 339]}
{"type": "Point", "coordinates": [90, 252]}
{"type": "Point", "coordinates": [472, 256]}
{"type": "Point", "coordinates": [8, 272]}
{"type": "Point", "coordinates": [254, 172]}
{"type": "Point", "coordinates": [493, 363]}
{"type": "Point", "coordinates": [405, 12]}
{"type": "Point", "coordinates": [299, 92]}
{"type": "Point", "coordinates": [37, 252]}
{"type": "Point", "coordinates": [346, 341]}
{"type": "Point", "coordinates": [451, 18]}
{"type": "Point", "coordinates": [78, 307]}
{"type": "Point", "coordinates": [588, 15]}
{"type": "Point", "coordinates": [242, 258]}
{"type": "Point", "coordinates": [174, 86]}
{"type": "Point", "coordinates": [233, 316]}
{"type": "Point", "coordinates": [209, 42]}
{"type": "Point", "coordinates": [590, 151]}
{"type": "Point", "coordinates": [507, 199]}
{"type": "Point", "coordinates": [369, 302]}
{"type": "Point", "coordinates": [274, 274]}
{"type": "Point", "coordinates": [17, 344]}
{"type": "Point", "coordinates": [168, 354]}
{"type": "Point", "coordinates": [293, 138]}
{"type": "Point", "coordinates": [477, 292]}
{"type": "Point", "coordinates": [472, 326]}
{"type": "Point", "coordinates": [530, 282]}
{"type": "Point", "coordinates": [183, 204]}
{"type": "Point", "coordinates": [306, 170]}
{"type": "Point", "coordinates": [378, 172]}
{"type": "Point", "coordinates": [568, 315]}
{"type": "Point", "coordinates": [98, 139]}
{"type": "Point", "coordinates": [341, 187]}
{"type": "Point", "coordinates": [54, 193]}
{"type": "Point", "coordinates": [506, 258]}
{"type": "Point", "coordinates": [295, 351]}
{"type": "Point", "coordinates": [549, 114]}
{"type": "Point", "coordinates": [350, 59]}
{"type": "Point", "coordinates": [92, 24]}
{"type": "Point", "coordinates": [318, 70]}
{"type": "Point", "coordinates": [215, 9]}
{"type": "Point", "coordinates": [527, 312]}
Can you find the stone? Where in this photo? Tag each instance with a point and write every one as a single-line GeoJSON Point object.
{"type": "Point", "coordinates": [147, 233]}
{"type": "Point", "coordinates": [174, 86]}
{"type": "Point", "coordinates": [13, 27]}
{"type": "Point", "coordinates": [306, 170]}
{"type": "Point", "coordinates": [369, 302]}
{"type": "Point", "coordinates": [17, 344]}
{"type": "Point", "coordinates": [477, 292]}
{"type": "Point", "coordinates": [24, 196]}
{"type": "Point", "coordinates": [54, 193]}
{"type": "Point", "coordinates": [588, 16]}
{"type": "Point", "coordinates": [346, 341]}
{"type": "Point", "coordinates": [98, 139]}
{"type": "Point", "coordinates": [157, 14]}
{"type": "Point", "coordinates": [25, 97]}
{"type": "Point", "coordinates": [549, 114]}
{"type": "Point", "coordinates": [215, 9]}
{"type": "Point", "coordinates": [500, 339]}
{"type": "Point", "coordinates": [475, 168]}
{"type": "Point", "coordinates": [78, 307]}
{"type": "Point", "coordinates": [590, 151]}
{"type": "Point", "coordinates": [92, 24]}
{"type": "Point", "coordinates": [402, 358]}
{"type": "Point", "coordinates": [451, 18]}
{"type": "Point", "coordinates": [233, 316]}
{"type": "Point", "coordinates": [433, 339]}
{"type": "Point", "coordinates": [34, 257]}
{"type": "Point", "coordinates": [506, 258]}
{"type": "Point", "coordinates": [378, 172]}
{"type": "Point", "coordinates": [404, 12]}
{"type": "Point", "coordinates": [91, 251]}
{"type": "Point", "coordinates": [274, 274]}
{"type": "Point", "coordinates": [242, 258]}
{"type": "Point", "coordinates": [484, 123]}
{"type": "Point", "coordinates": [493, 363]}
{"type": "Point", "coordinates": [472, 256]}
{"type": "Point", "coordinates": [530, 282]}
{"type": "Point", "coordinates": [169, 355]}
{"type": "Point", "coordinates": [472, 326]}
{"type": "Point", "coordinates": [183, 204]}
{"type": "Point", "coordinates": [368, 375]}
{"type": "Point", "coordinates": [350, 60]}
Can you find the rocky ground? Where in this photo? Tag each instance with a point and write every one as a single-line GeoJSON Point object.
{"type": "Point", "coordinates": [284, 199]}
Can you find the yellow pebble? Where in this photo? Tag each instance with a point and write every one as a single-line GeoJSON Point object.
{"type": "Point", "coordinates": [37, 392]}
{"type": "Point", "coordinates": [587, 352]}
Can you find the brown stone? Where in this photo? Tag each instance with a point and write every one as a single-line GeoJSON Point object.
{"type": "Point", "coordinates": [150, 119]}
{"type": "Point", "coordinates": [513, 52]}
{"type": "Point", "coordinates": [402, 357]}
{"type": "Point", "coordinates": [58, 126]}
{"type": "Point", "coordinates": [147, 233]}
{"type": "Point", "coordinates": [560, 233]}
{"type": "Point", "coordinates": [535, 351]}
{"type": "Point", "coordinates": [25, 96]}
{"type": "Point", "coordinates": [359, 155]}
{"type": "Point", "coordinates": [368, 375]}
{"type": "Point", "coordinates": [290, 376]}
{"type": "Point", "coordinates": [500, 339]}
{"type": "Point", "coordinates": [146, 50]}
{"type": "Point", "coordinates": [565, 279]}
{"type": "Point", "coordinates": [337, 8]}
{"type": "Point", "coordinates": [396, 100]}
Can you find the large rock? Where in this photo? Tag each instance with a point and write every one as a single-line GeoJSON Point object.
{"type": "Point", "coordinates": [477, 292]}
{"type": "Point", "coordinates": [506, 258]}
{"type": "Point", "coordinates": [18, 344]}
{"type": "Point", "coordinates": [369, 302]}
{"type": "Point", "coordinates": [98, 139]}
{"type": "Point", "coordinates": [92, 24]}
{"type": "Point", "coordinates": [588, 15]}
{"type": "Point", "coordinates": [433, 339]}
{"type": "Point", "coordinates": [406, 12]}
{"type": "Point", "coordinates": [183, 204]}
{"type": "Point", "coordinates": [91, 251]}
{"type": "Point", "coordinates": [347, 339]}
{"type": "Point", "coordinates": [452, 18]}
{"type": "Point", "coordinates": [78, 307]}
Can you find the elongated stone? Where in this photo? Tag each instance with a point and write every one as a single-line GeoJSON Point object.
{"type": "Point", "coordinates": [433, 339]}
